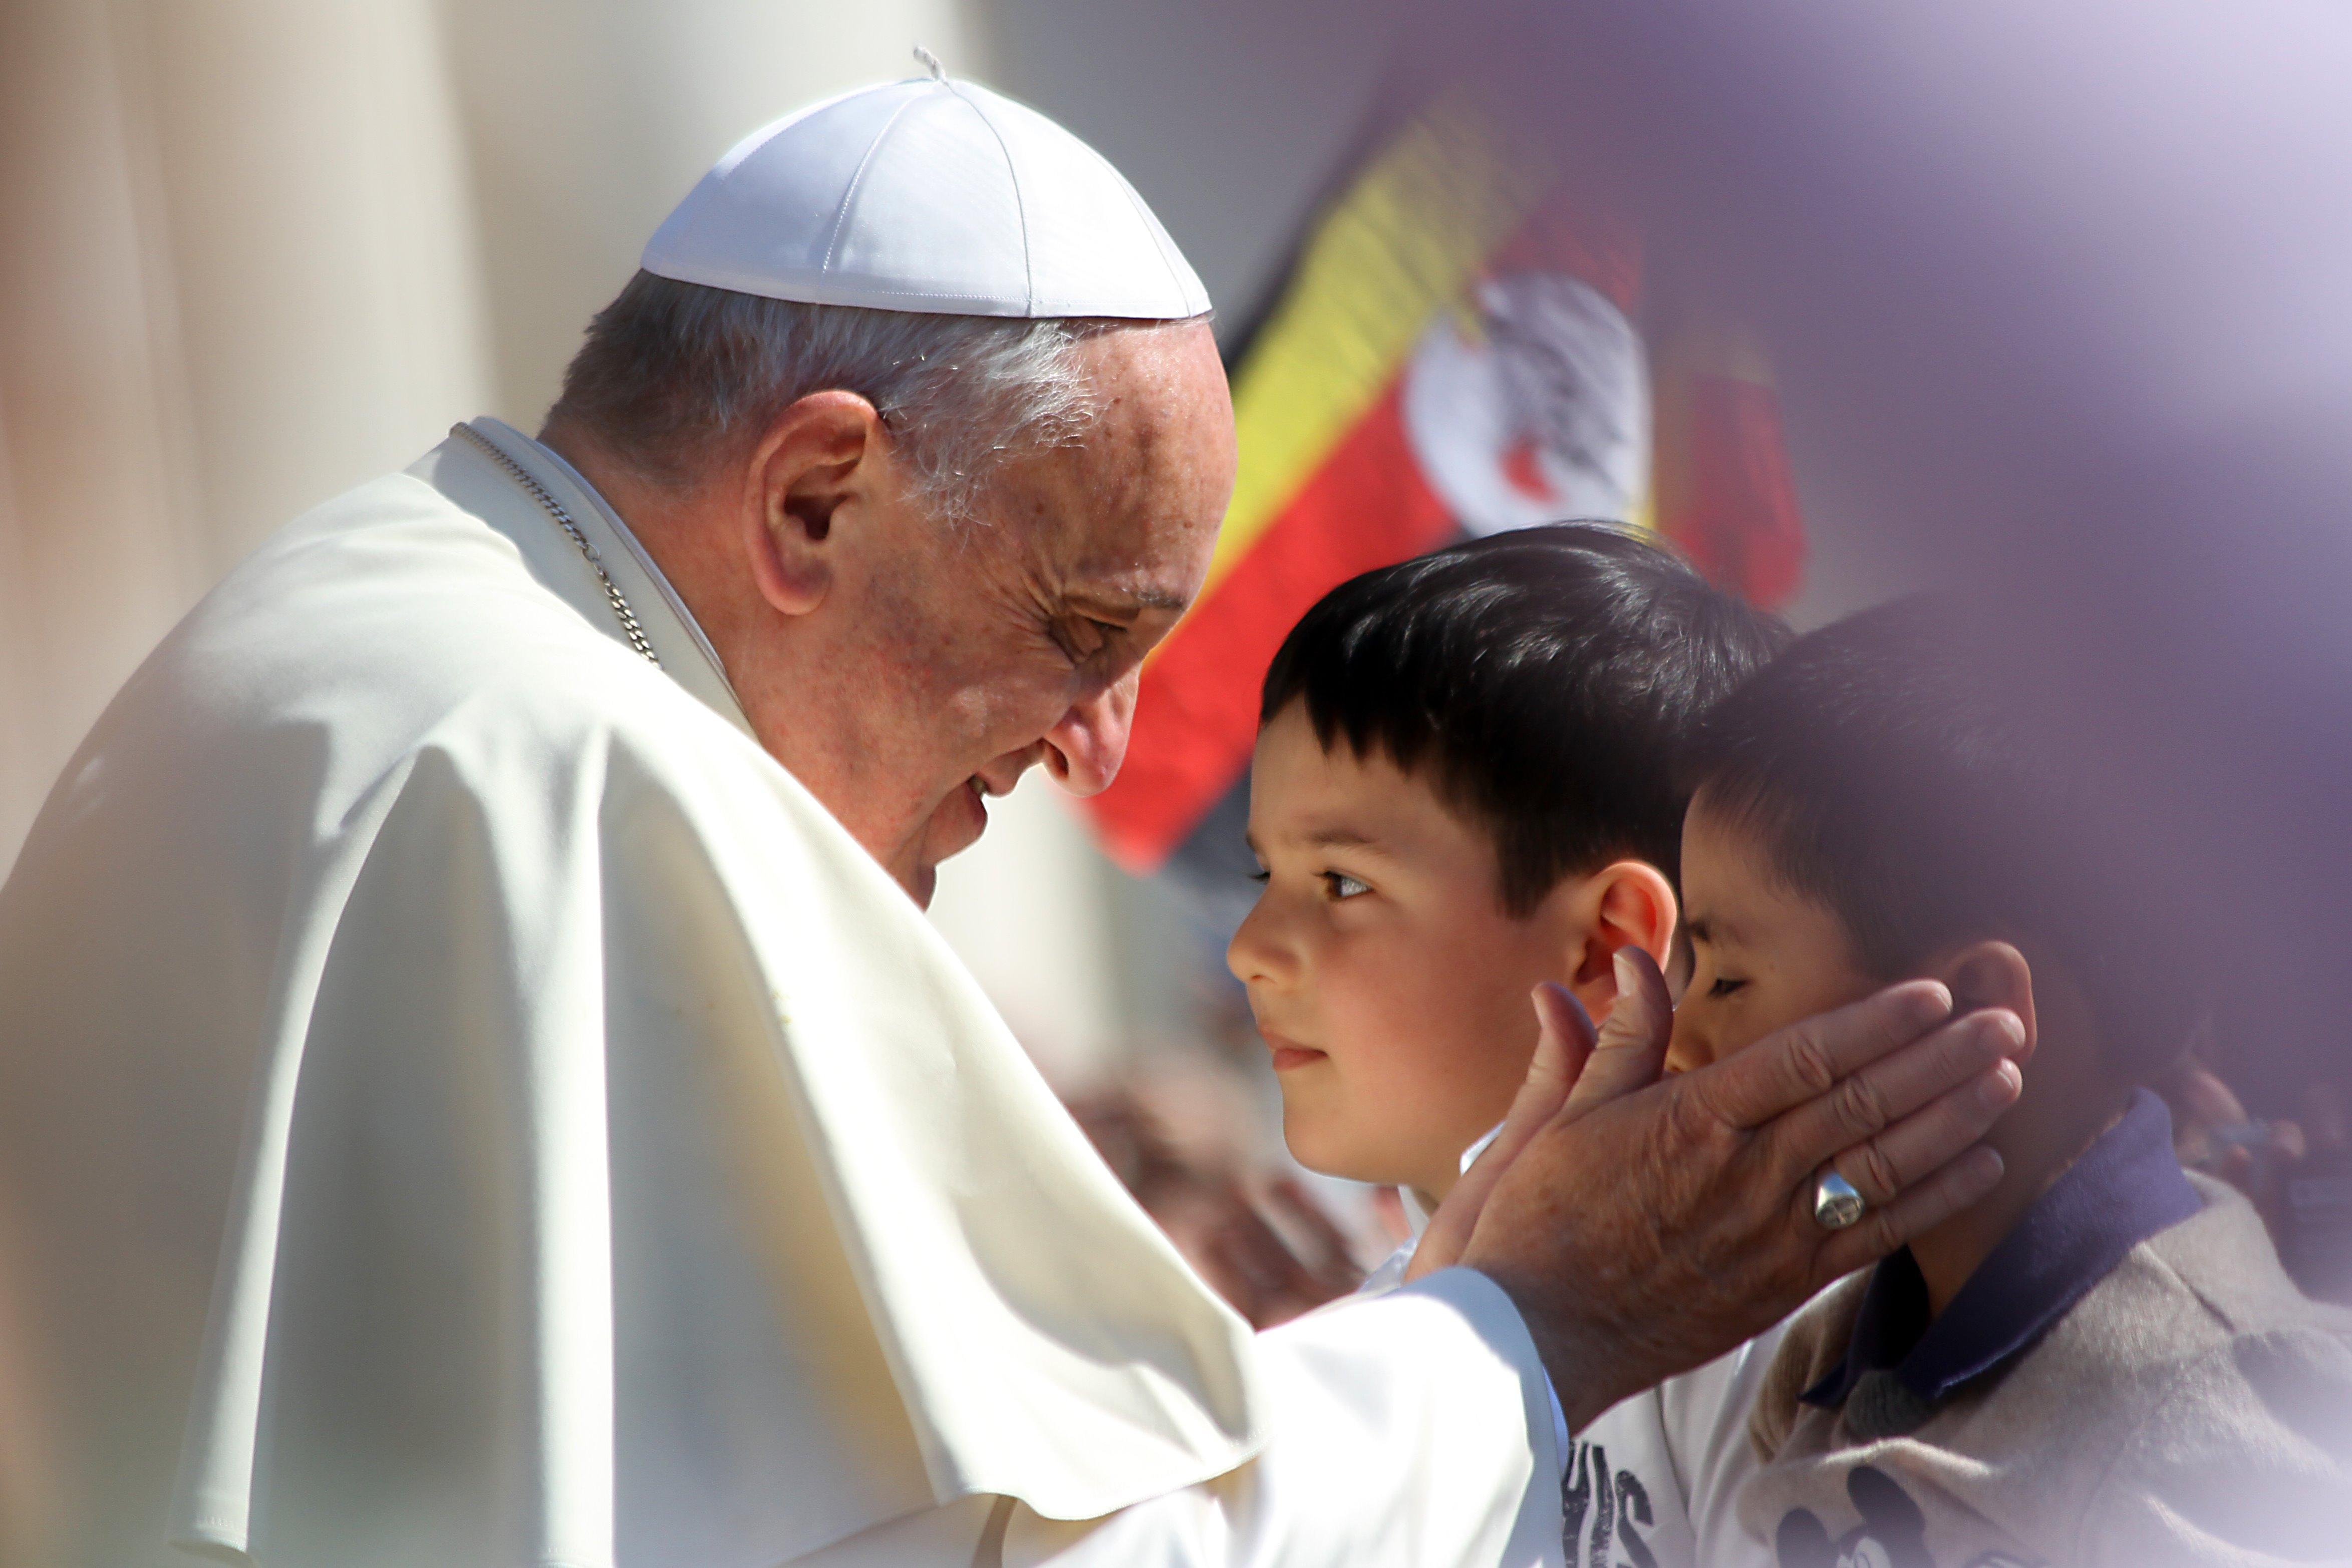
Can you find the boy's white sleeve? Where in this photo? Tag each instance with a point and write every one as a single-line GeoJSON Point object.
{"type": "Point", "coordinates": [1413, 1429]}
{"type": "Point", "coordinates": [1706, 1413]}
{"type": "Point", "coordinates": [1653, 1478]}
{"type": "Point", "coordinates": [1620, 1498]}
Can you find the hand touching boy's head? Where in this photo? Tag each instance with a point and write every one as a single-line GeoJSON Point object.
{"type": "Point", "coordinates": [1465, 785]}
{"type": "Point", "coordinates": [1891, 799]}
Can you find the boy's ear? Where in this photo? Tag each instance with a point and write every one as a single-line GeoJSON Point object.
{"type": "Point", "coordinates": [1626, 903]}
{"type": "Point", "coordinates": [1991, 975]}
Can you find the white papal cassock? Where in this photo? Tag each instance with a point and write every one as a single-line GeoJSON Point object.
{"type": "Point", "coordinates": [463, 1102]}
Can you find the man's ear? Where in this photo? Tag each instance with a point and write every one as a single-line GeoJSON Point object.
{"type": "Point", "coordinates": [1625, 903]}
{"type": "Point", "coordinates": [1991, 975]}
{"type": "Point", "coordinates": [819, 460]}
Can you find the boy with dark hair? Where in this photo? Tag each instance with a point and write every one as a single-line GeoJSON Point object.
{"type": "Point", "coordinates": [2101, 1362]}
{"type": "Point", "coordinates": [1463, 788]}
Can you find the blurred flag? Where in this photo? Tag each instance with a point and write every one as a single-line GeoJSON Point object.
{"type": "Point", "coordinates": [1454, 353]}
{"type": "Point", "coordinates": [1724, 492]}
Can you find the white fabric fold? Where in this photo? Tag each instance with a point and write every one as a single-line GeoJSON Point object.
{"type": "Point", "coordinates": [458, 471]}
{"type": "Point", "coordinates": [624, 1172]}
{"type": "Point", "coordinates": [1439, 1457]}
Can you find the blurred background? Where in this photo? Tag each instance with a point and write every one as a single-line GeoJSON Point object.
{"type": "Point", "coordinates": [1843, 299]}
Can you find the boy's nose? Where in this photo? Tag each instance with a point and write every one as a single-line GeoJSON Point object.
{"type": "Point", "coordinates": [1685, 1047]}
{"type": "Point", "coordinates": [1250, 955]}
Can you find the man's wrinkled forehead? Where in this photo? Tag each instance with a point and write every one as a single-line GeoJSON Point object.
{"type": "Point", "coordinates": [1128, 512]}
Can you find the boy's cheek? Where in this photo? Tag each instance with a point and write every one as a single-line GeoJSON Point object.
{"type": "Point", "coordinates": [1314, 1124]}
{"type": "Point", "coordinates": [1707, 1031]}
{"type": "Point", "coordinates": [1692, 1049]}
{"type": "Point", "coordinates": [1693, 1044]}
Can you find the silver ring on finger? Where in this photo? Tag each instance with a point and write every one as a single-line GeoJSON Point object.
{"type": "Point", "coordinates": [1836, 1202]}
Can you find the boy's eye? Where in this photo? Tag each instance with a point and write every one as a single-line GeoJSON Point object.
{"type": "Point", "coordinates": [1723, 986]}
{"type": "Point", "coordinates": [1342, 885]}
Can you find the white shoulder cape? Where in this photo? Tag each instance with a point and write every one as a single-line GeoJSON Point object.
{"type": "Point", "coordinates": [604, 1159]}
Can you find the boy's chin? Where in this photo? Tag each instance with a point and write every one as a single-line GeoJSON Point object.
{"type": "Point", "coordinates": [1315, 1147]}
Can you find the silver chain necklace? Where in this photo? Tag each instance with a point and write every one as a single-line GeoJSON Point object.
{"type": "Point", "coordinates": [554, 509]}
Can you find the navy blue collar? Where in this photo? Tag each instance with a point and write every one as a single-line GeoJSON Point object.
{"type": "Point", "coordinates": [2124, 1189]}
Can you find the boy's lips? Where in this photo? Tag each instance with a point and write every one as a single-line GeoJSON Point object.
{"type": "Point", "coordinates": [1287, 1053]}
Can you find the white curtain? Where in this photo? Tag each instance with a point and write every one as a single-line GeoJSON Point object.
{"type": "Point", "coordinates": [239, 272]}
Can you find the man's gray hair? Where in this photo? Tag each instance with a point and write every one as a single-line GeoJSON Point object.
{"type": "Point", "coordinates": [674, 376]}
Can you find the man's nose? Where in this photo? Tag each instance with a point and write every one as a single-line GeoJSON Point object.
{"type": "Point", "coordinates": [1083, 749]}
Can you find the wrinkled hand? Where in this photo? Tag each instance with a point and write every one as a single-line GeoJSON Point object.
{"type": "Point", "coordinates": [1647, 1227]}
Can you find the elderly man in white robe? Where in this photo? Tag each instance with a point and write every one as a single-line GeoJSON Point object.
{"type": "Point", "coordinates": [478, 1087]}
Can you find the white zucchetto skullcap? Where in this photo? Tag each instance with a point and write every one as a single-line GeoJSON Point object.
{"type": "Point", "coordinates": [928, 196]}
